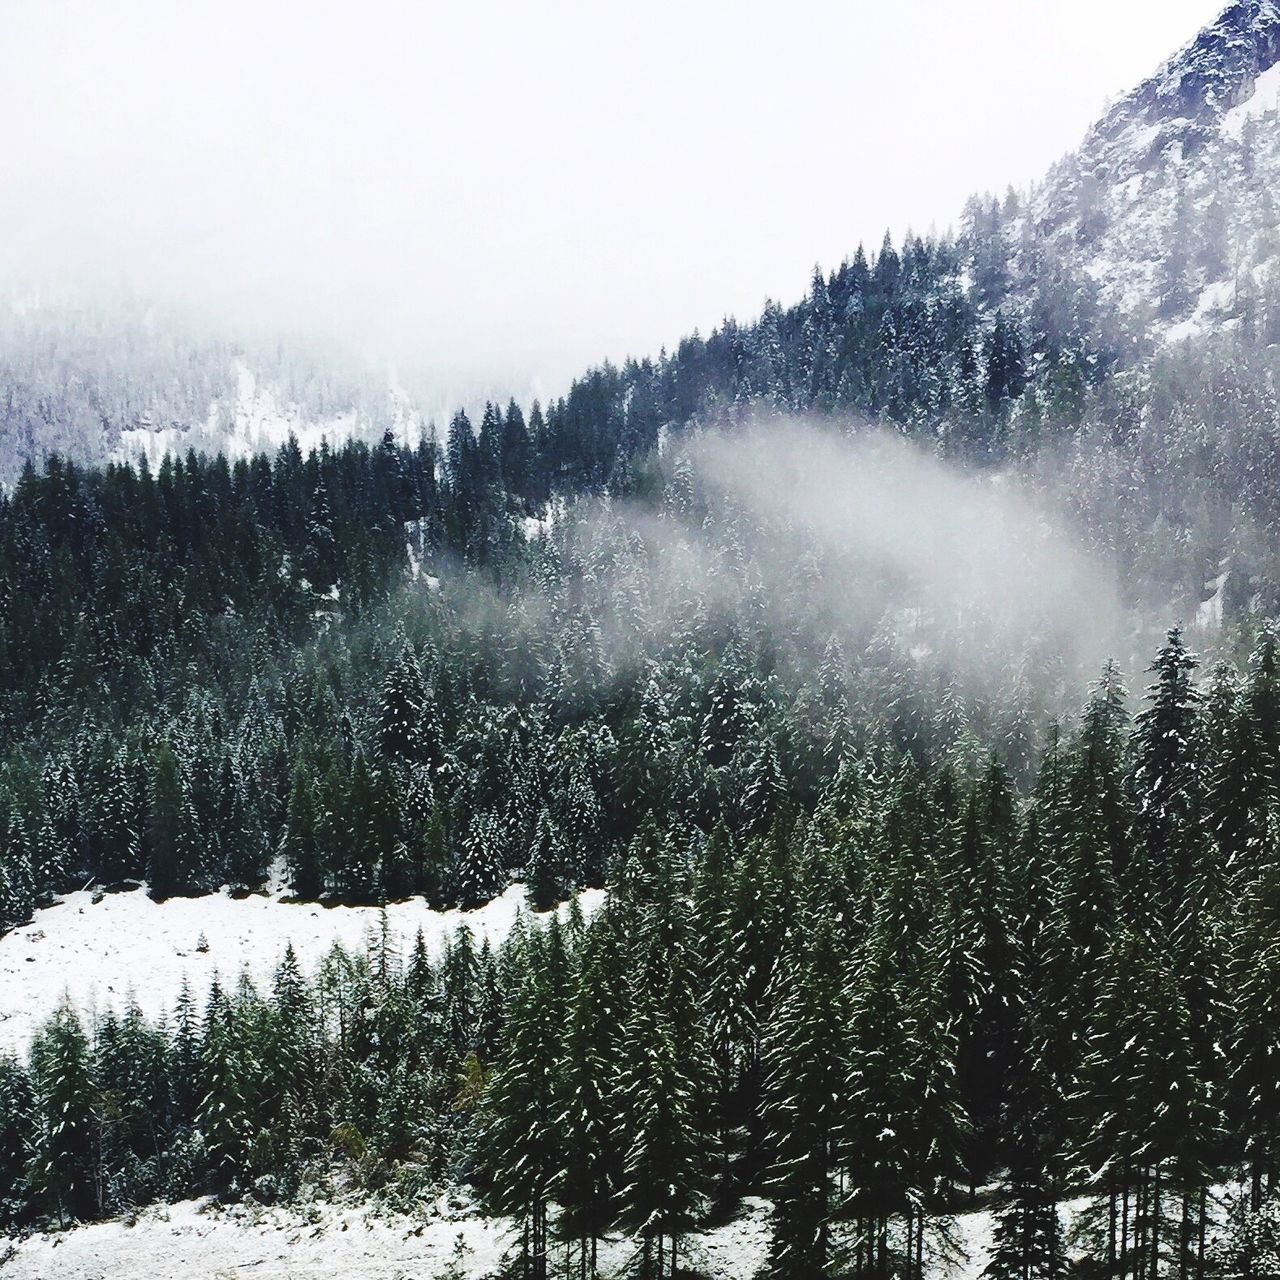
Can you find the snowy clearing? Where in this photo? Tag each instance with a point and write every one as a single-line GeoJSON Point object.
{"type": "Point", "coordinates": [256, 421]}
{"type": "Point", "coordinates": [98, 953]}
{"type": "Point", "coordinates": [329, 1243]}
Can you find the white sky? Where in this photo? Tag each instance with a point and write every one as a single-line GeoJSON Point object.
{"type": "Point", "coordinates": [508, 192]}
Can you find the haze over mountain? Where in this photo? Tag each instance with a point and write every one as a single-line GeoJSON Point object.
{"type": "Point", "coordinates": [211, 166]}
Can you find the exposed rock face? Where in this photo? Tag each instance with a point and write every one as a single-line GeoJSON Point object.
{"type": "Point", "coordinates": [1166, 211]}
{"type": "Point", "coordinates": [1187, 97]}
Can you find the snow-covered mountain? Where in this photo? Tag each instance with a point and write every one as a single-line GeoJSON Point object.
{"type": "Point", "coordinates": [1169, 205]}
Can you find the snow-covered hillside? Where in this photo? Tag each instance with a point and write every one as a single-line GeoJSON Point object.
{"type": "Point", "coordinates": [257, 418]}
{"type": "Point", "coordinates": [99, 953]}
{"type": "Point", "coordinates": [1168, 207]}
{"type": "Point", "coordinates": [255, 421]}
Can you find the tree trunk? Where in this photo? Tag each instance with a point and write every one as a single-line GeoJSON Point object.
{"type": "Point", "coordinates": [1204, 1213]}
{"type": "Point", "coordinates": [1184, 1235]}
{"type": "Point", "coordinates": [1155, 1225]}
{"type": "Point", "coordinates": [1054, 1261]}
{"type": "Point", "coordinates": [1142, 1228]}
{"type": "Point", "coordinates": [1111, 1226]}
{"type": "Point", "coordinates": [1124, 1221]}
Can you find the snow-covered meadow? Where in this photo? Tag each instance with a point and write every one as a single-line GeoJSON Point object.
{"type": "Point", "coordinates": [99, 953]}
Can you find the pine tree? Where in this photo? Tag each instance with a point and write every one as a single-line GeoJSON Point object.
{"type": "Point", "coordinates": [192, 874]}
{"type": "Point", "coordinates": [417, 818]}
{"type": "Point", "coordinates": [664, 1173]}
{"type": "Point", "coordinates": [165, 874]}
{"type": "Point", "coordinates": [974, 945]}
{"type": "Point", "coordinates": [302, 837]}
{"type": "Point", "coordinates": [459, 992]}
{"type": "Point", "coordinates": [400, 709]}
{"type": "Point", "coordinates": [240, 832]}
{"type": "Point", "coordinates": [876, 1128]}
{"type": "Point", "coordinates": [1254, 1046]}
{"type": "Point", "coordinates": [293, 1042]}
{"type": "Point", "coordinates": [1028, 1239]}
{"type": "Point", "coordinates": [16, 1112]}
{"type": "Point", "coordinates": [1006, 364]}
{"type": "Point", "coordinates": [17, 878]}
{"type": "Point", "coordinates": [585, 1116]}
{"type": "Point", "coordinates": [804, 1056]}
{"type": "Point", "coordinates": [1166, 777]}
{"type": "Point", "coordinates": [62, 1165]}
{"type": "Point", "coordinates": [522, 1139]}
{"type": "Point", "coordinates": [545, 869]}
{"type": "Point", "coordinates": [116, 823]}
{"type": "Point", "coordinates": [366, 820]}
{"type": "Point", "coordinates": [763, 787]}
{"type": "Point", "coordinates": [476, 875]}
{"type": "Point", "coordinates": [1242, 765]}
{"type": "Point", "coordinates": [222, 1116]}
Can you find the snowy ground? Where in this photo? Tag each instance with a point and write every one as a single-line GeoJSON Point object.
{"type": "Point", "coordinates": [328, 1243]}
{"type": "Point", "coordinates": [448, 1240]}
{"type": "Point", "coordinates": [331, 1243]}
{"type": "Point", "coordinates": [97, 953]}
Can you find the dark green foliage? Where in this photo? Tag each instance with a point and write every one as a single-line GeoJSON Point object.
{"type": "Point", "coordinates": [62, 1161]}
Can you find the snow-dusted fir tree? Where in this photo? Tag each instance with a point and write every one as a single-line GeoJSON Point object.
{"type": "Point", "coordinates": [62, 1157]}
{"type": "Point", "coordinates": [586, 1102]}
{"type": "Point", "coordinates": [400, 708]}
{"type": "Point", "coordinates": [522, 1139]}
{"type": "Point", "coordinates": [804, 1100]}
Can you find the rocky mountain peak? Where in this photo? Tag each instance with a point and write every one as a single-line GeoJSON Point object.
{"type": "Point", "coordinates": [1186, 98]}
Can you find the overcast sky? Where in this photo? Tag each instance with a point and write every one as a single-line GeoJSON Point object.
{"type": "Point", "coordinates": [512, 191]}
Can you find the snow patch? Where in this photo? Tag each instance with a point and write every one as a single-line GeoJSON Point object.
{"type": "Point", "coordinates": [256, 421]}
{"type": "Point", "coordinates": [356, 1242]}
{"type": "Point", "coordinates": [331, 1242]}
{"type": "Point", "coordinates": [190, 1240]}
{"type": "Point", "coordinates": [1265, 97]}
{"type": "Point", "coordinates": [447, 1237]}
{"type": "Point", "coordinates": [1209, 612]}
{"type": "Point", "coordinates": [541, 526]}
{"type": "Point", "coordinates": [98, 954]}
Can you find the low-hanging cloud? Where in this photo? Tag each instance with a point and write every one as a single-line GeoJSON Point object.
{"type": "Point", "coordinates": [945, 547]}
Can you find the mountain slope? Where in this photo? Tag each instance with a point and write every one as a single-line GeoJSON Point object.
{"type": "Point", "coordinates": [1168, 203]}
